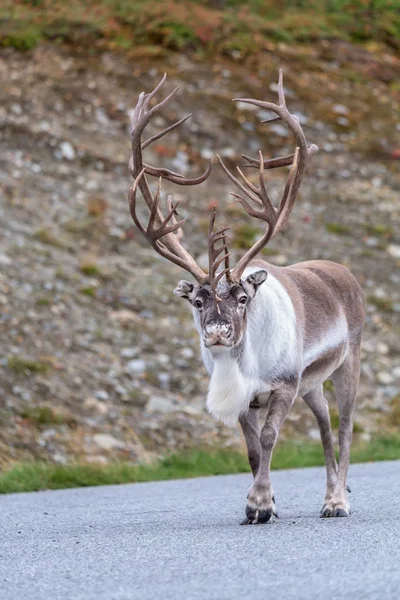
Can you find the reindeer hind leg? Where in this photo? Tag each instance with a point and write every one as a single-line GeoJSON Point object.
{"type": "Point", "coordinates": [318, 404]}
{"type": "Point", "coordinates": [345, 380]}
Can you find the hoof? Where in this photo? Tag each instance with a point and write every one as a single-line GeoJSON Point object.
{"type": "Point", "coordinates": [258, 516]}
{"type": "Point", "coordinates": [334, 511]}
{"type": "Point", "coordinates": [255, 516]}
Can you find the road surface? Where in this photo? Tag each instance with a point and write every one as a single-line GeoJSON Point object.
{"type": "Point", "coordinates": [181, 540]}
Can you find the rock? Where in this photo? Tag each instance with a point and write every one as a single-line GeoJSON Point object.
{"type": "Point", "coordinates": [125, 316]}
{"type": "Point", "coordinates": [314, 434]}
{"type": "Point", "coordinates": [108, 442]}
{"type": "Point", "coordinates": [187, 353]}
{"type": "Point", "coordinates": [93, 404]}
{"type": "Point", "coordinates": [246, 106]}
{"type": "Point", "coordinates": [385, 378]}
{"type": "Point", "coordinates": [67, 150]}
{"type": "Point", "coordinates": [180, 162]}
{"type": "Point", "coordinates": [137, 365]}
{"type": "Point", "coordinates": [5, 260]}
{"type": "Point", "coordinates": [394, 250]}
{"type": "Point", "coordinates": [340, 109]}
{"type": "Point", "coordinates": [101, 395]}
{"type": "Point", "coordinates": [129, 352]}
{"type": "Point", "coordinates": [382, 348]}
{"type": "Point", "coordinates": [161, 404]}
{"type": "Point", "coordinates": [164, 379]}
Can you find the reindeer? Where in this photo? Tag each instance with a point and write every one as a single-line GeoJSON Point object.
{"type": "Point", "coordinates": [268, 334]}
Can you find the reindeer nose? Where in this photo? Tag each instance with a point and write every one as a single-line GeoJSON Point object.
{"type": "Point", "coordinates": [219, 329]}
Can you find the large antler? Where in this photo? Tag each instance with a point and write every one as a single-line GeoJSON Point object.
{"type": "Point", "coordinates": [163, 234]}
{"type": "Point", "coordinates": [275, 218]}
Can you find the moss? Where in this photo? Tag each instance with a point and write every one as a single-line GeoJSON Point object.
{"type": "Point", "coordinates": [42, 415]}
{"type": "Point", "coordinates": [48, 237]}
{"type": "Point", "coordinates": [379, 230]}
{"type": "Point", "coordinates": [91, 270]}
{"type": "Point", "coordinates": [337, 228]}
{"type": "Point", "coordinates": [81, 226]}
{"type": "Point", "coordinates": [22, 36]}
{"type": "Point", "coordinates": [44, 301]}
{"type": "Point", "coordinates": [88, 291]}
{"type": "Point", "coordinates": [267, 251]}
{"type": "Point", "coordinates": [27, 366]}
{"type": "Point", "coordinates": [244, 235]}
{"type": "Point", "coordinates": [357, 427]}
{"type": "Point", "coordinates": [384, 304]}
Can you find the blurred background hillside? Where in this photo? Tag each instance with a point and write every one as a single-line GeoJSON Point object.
{"type": "Point", "coordinates": [99, 361]}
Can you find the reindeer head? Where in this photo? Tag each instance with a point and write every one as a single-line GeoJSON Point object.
{"type": "Point", "coordinates": [220, 300]}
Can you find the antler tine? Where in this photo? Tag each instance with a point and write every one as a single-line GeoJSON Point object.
{"type": "Point", "coordinates": [159, 135]}
{"type": "Point", "coordinates": [274, 163]}
{"type": "Point", "coordinates": [236, 181]}
{"type": "Point", "coordinates": [214, 257]}
{"type": "Point", "coordinates": [180, 179]}
{"type": "Point", "coordinates": [168, 228]}
{"type": "Point", "coordinates": [172, 207]}
{"type": "Point", "coordinates": [275, 218]}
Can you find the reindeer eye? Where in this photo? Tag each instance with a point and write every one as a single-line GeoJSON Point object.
{"type": "Point", "coordinates": [243, 300]}
{"type": "Point", "coordinates": [198, 304]}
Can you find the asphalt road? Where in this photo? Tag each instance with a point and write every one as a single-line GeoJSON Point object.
{"type": "Point", "coordinates": [181, 540]}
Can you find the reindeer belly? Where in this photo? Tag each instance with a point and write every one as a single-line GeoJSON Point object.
{"type": "Point", "coordinates": [322, 368]}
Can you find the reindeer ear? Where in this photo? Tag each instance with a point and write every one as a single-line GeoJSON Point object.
{"type": "Point", "coordinates": [185, 289]}
{"type": "Point", "coordinates": [253, 281]}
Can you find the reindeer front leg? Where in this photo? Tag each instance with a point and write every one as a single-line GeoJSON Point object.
{"type": "Point", "coordinates": [249, 422]}
{"type": "Point", "coordinates": [260, 500]}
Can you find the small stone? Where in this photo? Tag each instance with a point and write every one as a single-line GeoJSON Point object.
{"type": "Point", "coordinates": [163, 359]}
{"type": "Point", "coordinates": [206, 153]}
{"type": "Point", "coordinates": [92, 404]}
{"type": "Point", "coordinates": [129, 352]}
{"type": "Point", "coordinates": [340, 109]}
{"type": "Point", "coordinates": [385, 378]}
{"type": "Point", "coordinates": [314, 434]}
{"type": "Point", "coordinates": [121, 391]}
{"type": "Point", "coordinates": [187, 353]}
{"type": "Point", "coordinates": [117, 232]}
{"type": "Point", "coordinates": [245, 106]}
{"type": "Point", "coordinates": [67, 150]}
{"type": "Point", "coordinates": [396, 372]}
{"type": "Point", "coordinates": [228, 152]}
{"type": "Point", "coordinates": [136, 366]}
{"type": "Point", "coordinates": [161, 404]}
{"type": "Point", "coordinates": [108, 442]}
{"type": "Point", "coordinates": [101, 395]}
{"type": "Point", "coordinates": [382, 348]}
{"type": "Point", "coordinates": [181, 161]}
{"type": "Point", "coordinates": [5, 260]}
{"type": "Point", "coordinates": [394, 250]}
{"type": "Point", "coordinates": [164, 379]}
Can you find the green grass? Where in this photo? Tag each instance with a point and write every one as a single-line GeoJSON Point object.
{"type": "Point", "coordinates": [231, 27]}
{"type": "Point", "coordinates": [38, 476]}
